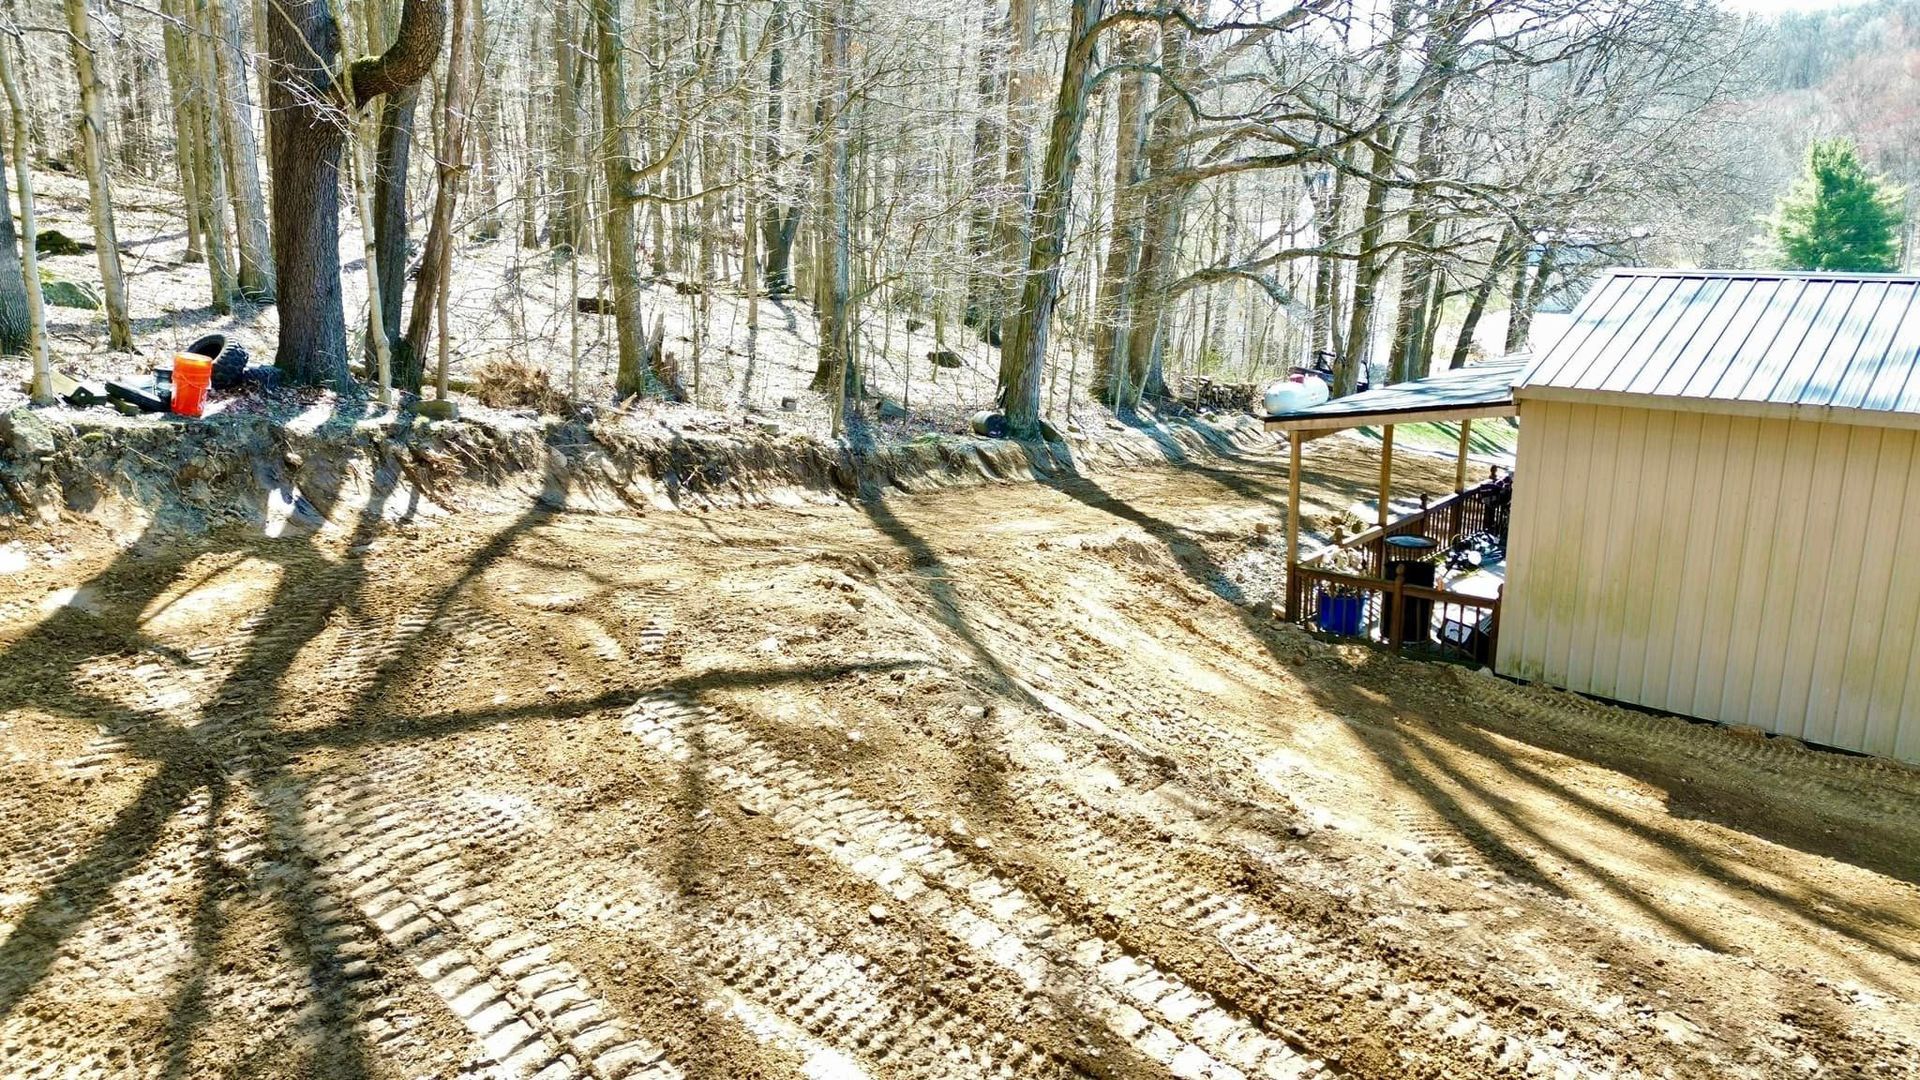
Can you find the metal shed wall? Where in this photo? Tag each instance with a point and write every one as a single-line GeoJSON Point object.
{"type": "Point", "coordinates": [1741, 569]}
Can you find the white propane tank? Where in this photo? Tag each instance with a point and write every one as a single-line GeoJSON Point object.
{"type": "Point", "coordinates": [1296, 393]}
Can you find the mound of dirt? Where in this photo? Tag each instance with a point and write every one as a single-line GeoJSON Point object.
{"type": "Point", "coordinates": [302, 461]}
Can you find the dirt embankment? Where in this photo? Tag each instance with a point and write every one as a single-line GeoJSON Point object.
{"type": "Point", "coordinates": [278, 465]}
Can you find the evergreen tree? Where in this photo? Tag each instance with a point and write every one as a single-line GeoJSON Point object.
{"type": "Point", "coordinates": [1839, 216]}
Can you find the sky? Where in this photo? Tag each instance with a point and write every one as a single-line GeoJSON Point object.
{"type": "Point", "coordinates": [1778, 7]}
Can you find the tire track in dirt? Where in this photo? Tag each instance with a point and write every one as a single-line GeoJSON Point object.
{"type": "Point", "coordinates": [1312, 970]}
{"type": "Point", "coordinates": [1156, 1014]}
{"type": "Point", "coordinates": [809, 995]}
{"type": "Point", "coordinates": [780, 980]}
{"type": "Point", "coordinates": [398, 863]}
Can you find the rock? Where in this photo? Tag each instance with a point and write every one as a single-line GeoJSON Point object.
{"type": "Point", "coordinates": [878, 913]}
{"type": "Point", "coordinates": [69, 294]}
{"type": "Point", "coordinates": [439, 409]}
{"type": "Point", "coordinates": [788, 404]}
{"type": "Point", "coordinates": [914, 324]}
{"type": "Point", "coordinates": [945, 358]}
{"type": "Point", "coordinates": [26, 434]}
{"type": "Point", "coordinates": [891, 409]}
{"type": "Point", "coordinates": [55, 242]}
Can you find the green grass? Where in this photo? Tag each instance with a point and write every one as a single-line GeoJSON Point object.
{"type": "Point", "coordinates": [1493, 437]}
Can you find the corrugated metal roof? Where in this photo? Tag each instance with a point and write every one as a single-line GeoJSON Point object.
{"type": "Point", "coordinates": [1815, 340]}
{"type": "Point", "coordinates": [1488, 385]}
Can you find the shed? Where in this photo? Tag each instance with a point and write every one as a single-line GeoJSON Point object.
{"type": "Point", "coordinates": [1716, 506]}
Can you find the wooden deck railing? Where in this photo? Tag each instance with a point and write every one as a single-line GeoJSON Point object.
{"type": "Point", "coordinates": [1412, 618]}
{"type": "Point", "coordinates": [1482, 509]}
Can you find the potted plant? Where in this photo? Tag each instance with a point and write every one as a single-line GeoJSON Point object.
{"type": "Point", "coordinates": [1342, 608]}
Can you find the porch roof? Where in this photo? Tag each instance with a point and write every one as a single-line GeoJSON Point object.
{"type": "Point", "coordinates": [1457, 394]}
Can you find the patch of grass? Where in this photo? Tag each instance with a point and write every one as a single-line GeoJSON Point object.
{"type": "Point", "coordinates": [1492, 437]}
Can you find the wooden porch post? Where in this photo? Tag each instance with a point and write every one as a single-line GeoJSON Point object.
{"type": "Point", "coordinates": [1293, 524]}
{"type": "Point", "coordinates": [1460, 466]}
{"type": "Point", "coordinates": [1386, 473]}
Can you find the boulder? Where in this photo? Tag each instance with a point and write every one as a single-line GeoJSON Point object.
{"type": "Point", "coordinates": [438, 409]}
{"type": "Point", "coordinates": [69, 294]}
{"type": "Point", "coordinates": [945, 358]}
{"type": "Point", "coordinates": [25, 434]}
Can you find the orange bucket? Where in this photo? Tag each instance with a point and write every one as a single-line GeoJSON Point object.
{"type": "Point", "coordinates": [191, 376]}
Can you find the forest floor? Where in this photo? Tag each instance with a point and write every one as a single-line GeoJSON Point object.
{"type": "Point", "coordinates": [511, 303]}
{"type": "Point", "coordinates": [1005, 780]}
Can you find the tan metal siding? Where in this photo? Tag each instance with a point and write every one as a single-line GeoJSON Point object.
{"type": "Point", "coordinates": [1737, 568]}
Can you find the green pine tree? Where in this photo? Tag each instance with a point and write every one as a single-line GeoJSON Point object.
{"type": "Point", "coordinates": [1839, 216]}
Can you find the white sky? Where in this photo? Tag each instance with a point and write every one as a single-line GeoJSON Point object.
{"type": "Point", "coordinates": [1776, 7]}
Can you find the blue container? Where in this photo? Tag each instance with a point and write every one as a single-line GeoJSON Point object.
{"type": "Point", "coordinates": [1341, 615]}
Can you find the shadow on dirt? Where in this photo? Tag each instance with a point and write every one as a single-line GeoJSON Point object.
{"type": "Point", "coordinates": [1466, 779]}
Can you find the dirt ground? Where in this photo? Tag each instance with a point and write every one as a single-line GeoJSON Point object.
{"type": "Point", "coordinates": [1005, 781]}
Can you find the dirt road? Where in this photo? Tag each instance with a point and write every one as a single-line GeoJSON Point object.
{"type": "Point", "coordinates": [1009, 781]}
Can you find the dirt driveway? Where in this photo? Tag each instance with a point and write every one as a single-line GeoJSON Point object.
{"type": "Point", "coordinates": [1008, 781]}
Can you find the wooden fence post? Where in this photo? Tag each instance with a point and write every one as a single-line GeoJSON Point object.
{"type": "Point", "coordinates": [1396, 608]}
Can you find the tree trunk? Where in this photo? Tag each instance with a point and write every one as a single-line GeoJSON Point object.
{"type": "Point", "coordinates": [1013, 218]}
{"type": "Point", "coordinates": [781, 222]}
{"type": "Point", "coordinates": [34, 334]}
{"type": "Point", "coordinates": [1371, 264]}
{"type": "Point", "coordinates": [436, 260]}
{"type": "Point", "coordinates": [93, 128]}
{"type": "Point", "coordinates": [1416, 284]}
{"type": "Point", "coordinates": [568, 214]}
{"type": "Point", "coordinates": [1022, 364]}
{"type": "Point", "coordinates": [622, 236]}
{"type": "Point", "coordinates": [211, 160]}
{"type": "Point", "coordinates": [243, 154]}
{"type": "Point", "coordinates": [837, 372]}
{"type": "Point", "coordinates": [391, 159]}
{"type": "Point", "coordinates": [15, 322]}
{"type": "Point", "coordinates": [1520, 317]}
{"type": "Point", "coordinates": [1112, 375]}
{"type": "Point", "coordinates": [185, 142]}
{"type": "Point", "coordinates": [1502, 256]}
{"type": "Point", "coordinates": [306, 136]}
{"type": "Point", "coordinates": [1160, 236]}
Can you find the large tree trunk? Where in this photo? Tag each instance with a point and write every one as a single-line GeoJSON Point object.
{"type": "Point", "coordinates": [1024, 359]}
{"type": "Point", "coordinates": [93, 137]}
{"type": "Point", "coordinates": [1112, 376]}
{"type": "Point", "coordinates": [306, 136]}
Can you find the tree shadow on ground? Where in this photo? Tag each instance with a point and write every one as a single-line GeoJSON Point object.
{"type": "Point", "coordinates": [1480, 811]}
{"type": "Point", "coordinates": [234, 739]}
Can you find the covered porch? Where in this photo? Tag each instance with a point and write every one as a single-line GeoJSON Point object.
{"type": "Point", "coordinates": [1429, 581]}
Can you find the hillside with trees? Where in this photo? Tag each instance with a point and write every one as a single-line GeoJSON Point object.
{"type": "Point", "coordinates": [1100, 195]}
